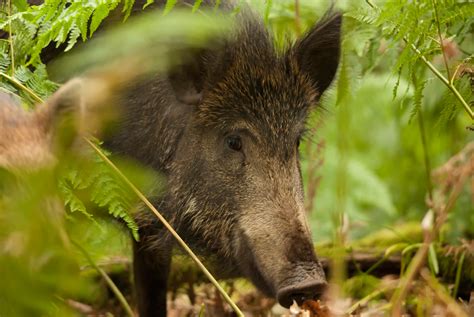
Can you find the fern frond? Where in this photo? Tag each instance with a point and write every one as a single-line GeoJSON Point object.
{"type": "Point", "coordinates": [459, 11]}
{"type": "Point", "coordinates": [71, 201]}
{"type": "Point", "coordinates": [82, 21]}
{"type": "Point", "coordinates": [99, 185]}
{"type": "Point", "coordinates": [5, 61]}
{"type": "Point", "coordinates": [169, 6]}
{"type": "Point", "coordinates": [100, 13]}
{"type": "Point", "coordinates": [73, 37]}
{"type": "Point", "coordinates": [419, 87]}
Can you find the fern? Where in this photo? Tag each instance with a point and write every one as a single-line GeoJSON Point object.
{"type": "Point", "coordinates": [74, 203]}
{"type": "Point", "coordinates": [405, 23]}
{"type": "Point", "coordinates": [5, 62]}
{"type": "Point", "coordinates": [417, 96]}
{"type": "Point", "coordinates": [99, 185]}
{"type": "Point", "coordinates": [196, 5]}
{"type": "Point", "coordinates": [83, 21]}
{"type": "Point", "coordinates": [169, 6]}
{"type": "Point", "coordinates": [73, 36]}
{"type": "Point", "coordinates": [451, 109]}
{"type": "Point", "coordinates": [100, 13]}
{"type": "Point", "coordinates": [63, 22]}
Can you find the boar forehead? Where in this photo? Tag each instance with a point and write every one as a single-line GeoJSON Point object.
{"type": "Point", "coordinates": [258, 86]}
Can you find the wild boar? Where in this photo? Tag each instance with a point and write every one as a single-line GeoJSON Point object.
{"type": "Point", "coordinates": [31, 140]}
{"type": "Point", "coordinates": [224, 130]}
{"type": "Point", "coordinates": [27, 138]}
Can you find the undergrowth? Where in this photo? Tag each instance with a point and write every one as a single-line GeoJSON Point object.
{"type": "Point", "coordinates": [424, 43]}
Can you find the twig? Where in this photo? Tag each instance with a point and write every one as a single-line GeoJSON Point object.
{"type": "Point", "coordinates": [80, 307]}
{"type": "Point", "coordinates": [297, 18]}
{"type": "Point", "coordinates": [314, 150]}
{"type": "Point", "coordinates": [405, 282]}
{"type": "Point", "coordinates": [443, 79]}
{"type": "Point", "coordinates": [435, 7]}
{"type": "Point", "coordinates": [448, 83]}
{"type": "Point", "coordinates": [167, 225]}
{"type": "Point", "coordinates": [371, 4]}
{"type": "Point", "coordinates": [426, 156]}
{"type": "Point", "coordinates": [369, 297]}
{"type": "Point", "coordinates": [438, 289]}
{"type": "Point", "coordinates": [267, 10]}
{"type": "Point", "coordinates": [453, 196]}
{"type": "Point", "coordinates": [451, 80]}
{"type": "Point", "coordinates": [107, 279]}
{"type": "Point", "coordinates": [115, 261]}
{"type": "Point", "coordinates": [458, 274]}
{"type": "Point", "coordinates": [10, 36]}
{"type": "Point", "coordinates": [21, 86]}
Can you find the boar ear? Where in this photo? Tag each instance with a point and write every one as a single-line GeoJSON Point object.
{"type": "Point", "coordinates": [190, 79]}
{"type": "Point", "coordinates": [317, 53]}
{"type": "Point", "coordinates": [60, 115]}
{"type": "Point", "coordinates": [187, 81]}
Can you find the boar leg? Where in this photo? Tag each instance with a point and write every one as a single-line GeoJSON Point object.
{"type": "Point", "coordinates": [151, 269]}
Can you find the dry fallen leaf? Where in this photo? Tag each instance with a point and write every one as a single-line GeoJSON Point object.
{"type": "Point", "coordinates": [315, 308]}
{"type": "Point", "coordinates": [295, 309]}
{"type": "Point", "coordinates": [309, 308]}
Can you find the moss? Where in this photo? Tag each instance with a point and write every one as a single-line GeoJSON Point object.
{"type": "Point", "coordinates": [378, 241]}
{"type": "Point", "coordinates": [409, 232]}
{"type": "Point", "coordinates": [361, 285]}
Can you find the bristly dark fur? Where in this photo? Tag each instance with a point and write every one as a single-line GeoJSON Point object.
{"type": "Point", "coordinates": [269, 91]}
{"type": "Point", "coordinates": [319, 50]}
{"type": "Point", "coordinates": [240, 207]}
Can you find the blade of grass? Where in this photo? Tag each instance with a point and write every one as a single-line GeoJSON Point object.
{"type": "Point", "coordinates": [21, 86]}
{"type": "Point", "coordinates": [440, 291]}
{"type": "Point", "coordinates": [405, 282]}
{"type": "Point", "coordinates": [149, 205]}
{"type": "Point", "coordinates": [438, 26]}
{"type": "Point", "coordinates": [202, 311]}
{"type": "Point", "coordinates": [364, 301]}
{"type": "Point", "coordinates": [107, 279]}
{"type": "Point", "coordinates": [433, 259]}
{"type": "Point", "coordinates": [10, 37]}
{"type": "Point", "coordinates": [458, 274]}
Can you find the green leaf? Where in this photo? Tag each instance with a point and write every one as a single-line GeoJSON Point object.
{"type": "Point", "coordinates": [433, 259]}
{"type": "Point", "coordinates": [148, 2]}
{"type": "Point", "coordinates": [169, 6]}
{"type": "Point", "coordinates": [395, 248]}
{"type": "Point", "coordinates": [21, 5]}
{"type": "Point", "coordinates": [100, 13]}
{"type": "Point", "coordinates": [73, 37]}
{"type": "Point", "coordinates": [196, 5]}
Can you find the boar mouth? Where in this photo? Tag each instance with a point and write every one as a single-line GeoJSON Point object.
{"type": "Point", "coordinates": [298, 281]}
{"type": "Point", "coordinates": [302, 291]}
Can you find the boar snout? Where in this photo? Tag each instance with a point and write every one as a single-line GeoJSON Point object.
{"type": "Point", "coordinates": [312, 287]}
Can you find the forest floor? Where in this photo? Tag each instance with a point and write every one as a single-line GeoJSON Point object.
{"type": "Point", "coordinates": [365, 294]}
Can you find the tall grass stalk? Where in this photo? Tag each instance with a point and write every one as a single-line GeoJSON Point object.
{"type": "Point", "coordinates": [181, 242]}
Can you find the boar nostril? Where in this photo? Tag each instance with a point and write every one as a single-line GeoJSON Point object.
{"type": "Point", "coordinates": [300, 292]}
{"type": "Point", "coordinates": [299, 297]}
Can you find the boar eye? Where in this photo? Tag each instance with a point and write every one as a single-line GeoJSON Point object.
{"type": "Point", "coordinates": [234, 142]}
{"type": "Point", "coordinates": [298, 142]}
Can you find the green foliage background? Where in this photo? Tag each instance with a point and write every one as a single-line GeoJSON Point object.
{"type": "Point", "coordinates": [374, 171]}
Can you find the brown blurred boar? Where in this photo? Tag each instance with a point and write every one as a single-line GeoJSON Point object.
{"type": "Point", "coordinates": [225, 129]}
{"type": "Point", "coordinates": [32, 140]}
{"type": "Point", "coordinates": [28, 138]}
